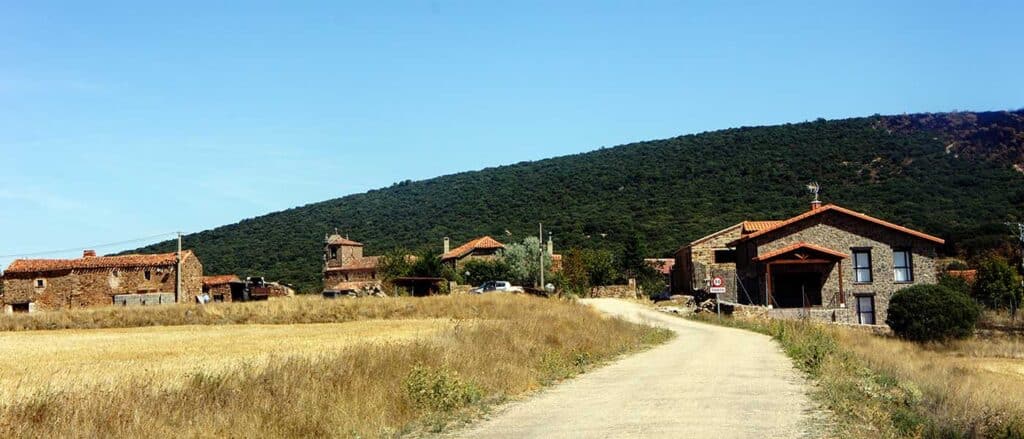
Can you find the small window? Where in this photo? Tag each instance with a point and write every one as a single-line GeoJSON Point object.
{"type": "Point", "coordinates": [902, 268]}
{"type": "Point", "coordinates": [334, 253]}
{"type": "Point", "coordinates": [40, 283]}
{"type": "Point", "coordinates": [21, 307]}
{"type": "Point", "coordinates": [866, 310]}
{"type": "Point", "coordinates": [725, 256]}
{"type": "Point", "coordinates": [147, 274]}
{"type": "Point", "coordinates": [862, 265]}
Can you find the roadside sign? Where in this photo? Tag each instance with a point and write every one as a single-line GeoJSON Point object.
{"type": "Point", "coordinates": [717, 285]}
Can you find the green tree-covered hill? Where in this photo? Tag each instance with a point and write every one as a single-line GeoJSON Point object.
{"type": "Point", "coordinates": [949, 174]}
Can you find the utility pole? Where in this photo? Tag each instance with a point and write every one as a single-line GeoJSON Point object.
{"type": "Point", "coordinates": [541, 229]}
{"type": "Point", "coordinates": [177, 272]}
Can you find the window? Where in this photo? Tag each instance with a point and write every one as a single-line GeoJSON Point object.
{"type": "Point", "coordinates": [866, 310]}
{"type": "Point", "coordinates": [334, 253]}
{"type": "Point", "coordinates": [725, 256]}
{"type": "Point", "coordinates": [862, 265]}
{"type": "Point", "coordinates": [40, 283]}
{"type": "Point", "coordinates": [147, 274]}
{"type": "Point", "coordinates": [901, 266]}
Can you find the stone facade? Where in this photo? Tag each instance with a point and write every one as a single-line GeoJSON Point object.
{"type": "Point", "coordinates": [695, 264]}
{"type": "Point", "coordinates": [346, 268]}
{"type": "Point", "coordinates": [92, 285]}
{"type": "Point", "coordinates": [841, 233]}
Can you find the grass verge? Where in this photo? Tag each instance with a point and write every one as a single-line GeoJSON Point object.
{"type": "Point", "coordinates": [884, 387]}
{"type": "Point", "coordinates": [511, 345]}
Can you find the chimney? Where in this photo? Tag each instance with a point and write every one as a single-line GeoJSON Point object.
{"type": "Point", "coordinates": [447, 245]}
{"type": "Point", "coordinates": [88, 253]}
{"type": "Point", "coordinates": [551, 246]}
{"type": "Point", "coordinates": [815, 205]}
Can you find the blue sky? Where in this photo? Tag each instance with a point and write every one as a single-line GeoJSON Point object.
{"type": "Point", "coordinates": [124, 120]}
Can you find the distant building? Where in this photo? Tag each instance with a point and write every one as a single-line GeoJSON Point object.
{"type": "Point", "coordinates": [345, 267]}
{"type": "Point", "coordinates": [829, 263]}
{"type": "Point", "coordinates": [661, 265]}
{"type": "Point", "coordinates": [483, 248]}
{"type": "Point", "coordinates": [219, 287]}
{"type": "Point", "coordinates": [89, 281]}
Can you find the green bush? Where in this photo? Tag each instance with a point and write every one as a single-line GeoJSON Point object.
{"type": "Point", "coordinates": [932, 313]}
{"type": "Point", "coordinates": [440, 390]}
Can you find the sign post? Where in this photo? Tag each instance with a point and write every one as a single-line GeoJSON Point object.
{"type": "Point", "coordinates": [717, 288]}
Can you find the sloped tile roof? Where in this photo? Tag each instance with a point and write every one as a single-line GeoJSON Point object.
{"type": "Point", "coordinates": [123, 261]}
{"type": "Point", "coordinates": [663, 265]}
{"type": "Point", "coordinates": [340, 240]}
{"type": "Point", "coordinates": [482, 243]}
{"type": "Point", "coordinates": [209, 281]}
{"type": "Point", "coordinates": [756, 226]}
{"type": "Point", "coordinates": [798, 246]}
{"type": "Point", "coordinates": [845, 211]}
{"type": "Point", "coordinates": [968, 275]}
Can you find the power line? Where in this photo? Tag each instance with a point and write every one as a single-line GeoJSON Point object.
{"type": "Point", "coordinates": [79, 248]}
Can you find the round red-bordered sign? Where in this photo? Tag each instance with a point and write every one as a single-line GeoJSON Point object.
{"type": "Point", "coordinates": [717, 281]}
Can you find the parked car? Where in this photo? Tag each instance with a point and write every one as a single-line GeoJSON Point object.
{"type": "Point", "coordinates": [496, 285]}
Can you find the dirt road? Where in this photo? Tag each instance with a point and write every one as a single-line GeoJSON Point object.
{"type": "Point", "coordinates": [709, 382]}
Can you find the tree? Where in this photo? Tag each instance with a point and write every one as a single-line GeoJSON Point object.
{"type": "Point", "coordinates": [524, 260]}
{"type": "Point", "coordinates": [480, 271]}
{"type": "Point", "coordinates": [427, 264]}
{"type": "Point", "coordinates": [997, 285]}
{"type": "Point", "coordinates": [931, 313]}
{"type": "Point", "coordinates": [394, 264]}
{"type": "Point", "coordinates": [633, 256]}
{"type": "Point", "coordinates": [955, 283]}
{"type": "Point", "coordinates": [601, 267]}
{"type": "Point", "coordinates": [575, 278]}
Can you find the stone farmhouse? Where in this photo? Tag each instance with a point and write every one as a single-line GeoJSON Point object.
{"type": "Point", "coordinates": [51, 284]}
{"type": "Point", "coordinates": [829, 263]}
{"type": "Point", "coordinates": [220, 287]}
{"type": "Point", "coordinates": [345, 267]}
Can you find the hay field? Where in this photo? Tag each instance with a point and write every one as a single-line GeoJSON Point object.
{"type": "Point", "coordinates": [442, 360]}
{"type": "Point", "coordinates": [166, 356]}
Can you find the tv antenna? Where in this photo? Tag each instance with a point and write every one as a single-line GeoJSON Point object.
{"type": "Point", "coordinates": [813, 187]}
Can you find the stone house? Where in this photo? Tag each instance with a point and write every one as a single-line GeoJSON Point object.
{"type": "Point", "coordinates": [697, 262]}
{"type": "Point", "coordinates": [834, 264]}
{"type": "Point", "coordinates": [51, 284]}
{"type": "Point", "coordinates": [345, 267]}
{"type": "Point", "coordinates": [483, 248]}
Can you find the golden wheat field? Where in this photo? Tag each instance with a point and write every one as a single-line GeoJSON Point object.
{"type": "Point", "coordinates": [295, 368]}
{"type": "Point", "coordinates": [166, 356]}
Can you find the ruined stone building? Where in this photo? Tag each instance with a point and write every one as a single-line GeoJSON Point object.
{"type": "Point", "coordinates": [829, 263]}
{"type": "Point", "coordinates": [220, 287]}
{"type": "Point", "coordinates": [50, 284]}
{"type": "Point", "coordinates": [345, 267]}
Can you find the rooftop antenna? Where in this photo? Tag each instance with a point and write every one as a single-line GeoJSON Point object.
{"type": "Point", "coordinates": [813, 187]}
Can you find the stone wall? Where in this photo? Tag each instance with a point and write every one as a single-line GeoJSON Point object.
{"type": "Point", "coordinates": [614, 291]}
{"type": "Point", "coordinates": [334, 277]}
{"type": "Point", "coordinates": [83, 288]}
{"type": "Point", "coordinates": [843, 233]}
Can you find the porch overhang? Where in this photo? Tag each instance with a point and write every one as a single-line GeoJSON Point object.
{"type": "Point", "coordinates": [801, 253]}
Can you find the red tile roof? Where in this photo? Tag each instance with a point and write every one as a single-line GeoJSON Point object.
{"type": "Point", "coordinates": [663, 265]}
{"type": "Point", "coordinates": [756, 226]}
{"type": "Point", "coordinates": [797, 246]}
{"type": "Point", "coordinates": [363, 263]}
{"type": "Point", "coordinates": [834, 208]}
{"type": "Point", "coordinates": [481, 243]}
{"type": "Point", "coordinates": [209, 281]}
{"type": "Point", "coordinates": [339, 240]}
{"type": "Point", "coordinates": [967, 275]}
{"type": "Point", "coordinates": [123, 261]}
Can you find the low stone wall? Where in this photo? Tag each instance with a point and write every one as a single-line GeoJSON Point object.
{"type": "Point", "coordinates": [614, 291]}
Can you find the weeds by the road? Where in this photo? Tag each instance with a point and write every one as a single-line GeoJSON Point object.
{"type": "Point", "coordinates": [515, 344]}
{"type": "Point", "coordinates": [884, 387]}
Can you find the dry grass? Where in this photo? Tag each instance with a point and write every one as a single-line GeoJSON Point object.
{"type": "Point", "coordinates": [973, 387]}
{"type": "Point", "coordinates": [93, 359]}
{"type": "Point", "coordinates": [494, 347]}
{"type": "Point", "coordinates": [884, 387]}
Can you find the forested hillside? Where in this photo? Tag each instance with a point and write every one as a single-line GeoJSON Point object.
{"type": "Point", "coordinates": [948, 174]}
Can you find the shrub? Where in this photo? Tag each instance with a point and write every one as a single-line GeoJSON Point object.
{"type": "Point", "coordinates": [998, 285]}
{"type": "Point", "coordinates": [440, 390]}
{"type": "Point", "coordinates": [932, 313]}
